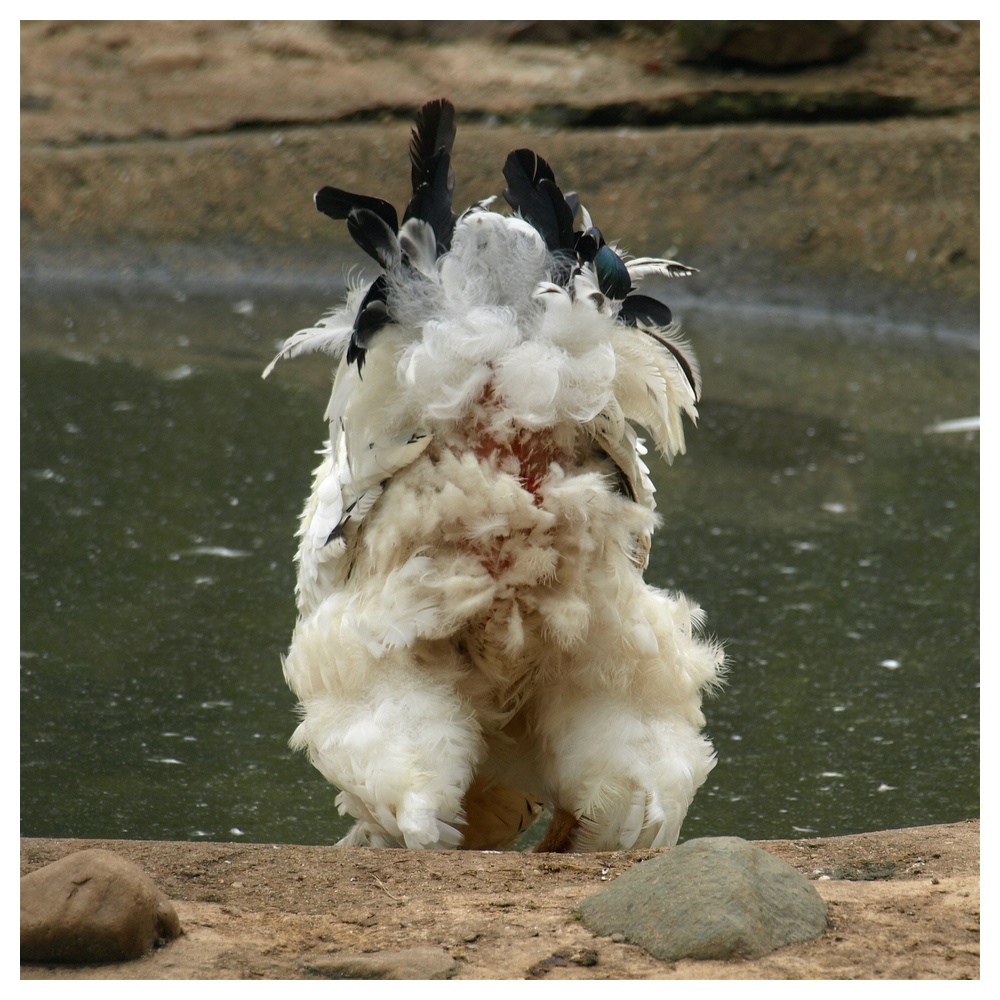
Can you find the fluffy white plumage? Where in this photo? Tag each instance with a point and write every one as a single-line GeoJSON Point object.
{"type": "Point", "coordinates": [475, 638]}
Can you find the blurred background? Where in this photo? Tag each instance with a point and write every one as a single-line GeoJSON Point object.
{"type": "Point", "coordinates": [822, 176]}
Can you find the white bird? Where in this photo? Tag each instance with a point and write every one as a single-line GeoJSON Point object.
{"type": "Point", "coordinates": [475, 639]}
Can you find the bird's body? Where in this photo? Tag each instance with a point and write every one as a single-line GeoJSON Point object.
{"type": "Point", "coordinates": [475, 638]}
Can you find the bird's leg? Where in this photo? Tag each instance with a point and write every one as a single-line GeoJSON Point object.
{"type": "Point", "coordinates": [558, 837]}
{"type": "Point", "coordinates": [622, 776]}
{"type": "Point", "coordinates": [402, 746]}
{"type": "Point", "coordinates": [496, 814]}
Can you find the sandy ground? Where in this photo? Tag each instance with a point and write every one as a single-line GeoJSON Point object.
{"type": "Point", "coordinates": [185, 145]}
{"type": "Point", "coordinates": [903, 904]}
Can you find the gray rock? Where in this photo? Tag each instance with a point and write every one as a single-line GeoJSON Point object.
{"type": "Point", "coordinates": [715, 897]}
{"type": "Point", "coordinates": [411, 963]}
{"type": "Point", "coordinates": [92, 906]}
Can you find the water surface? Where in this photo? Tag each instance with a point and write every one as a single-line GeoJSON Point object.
{"type": "Point", "coordinates": [831, 538]}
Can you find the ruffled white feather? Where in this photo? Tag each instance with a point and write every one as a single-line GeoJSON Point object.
{"type": "Point", "coordinates": [470, 561]}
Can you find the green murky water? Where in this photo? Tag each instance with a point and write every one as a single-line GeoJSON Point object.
{"type": "Point", "coordinates": [832, 540]}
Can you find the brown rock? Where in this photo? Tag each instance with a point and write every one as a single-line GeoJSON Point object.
{"type": "Point", "coordinates": [92, 906]}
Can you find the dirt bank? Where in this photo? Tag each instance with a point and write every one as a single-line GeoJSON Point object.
{"type": "Point", "coordinates": [851, 187]}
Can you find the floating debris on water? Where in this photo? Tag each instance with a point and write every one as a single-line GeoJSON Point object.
{"type": "Point", "coordinates": [961, 426]}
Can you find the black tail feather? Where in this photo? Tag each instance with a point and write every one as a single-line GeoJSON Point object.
{"type": "Point", "coordinates": [431, 173]}
{"type": "Point", "coordinates": [432, 200]}
{"type": "Point", "coordinates": [587, 244]}
{"type": "Point", "coordinates": [371, 233]}
{"type": "Point", "coordinates": [373, 314]}
{"type": "Point", "coordinates": [434, 130]}
{"type": "Point", "coordinates": [338, 204]}
{"type": "Point", "coordinates": [638, 309]}
{"type": "Point", "coordinates": [532, 191]}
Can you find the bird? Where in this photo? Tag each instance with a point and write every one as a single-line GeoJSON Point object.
{"type": "Point", "coordinates": [475, 643]}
